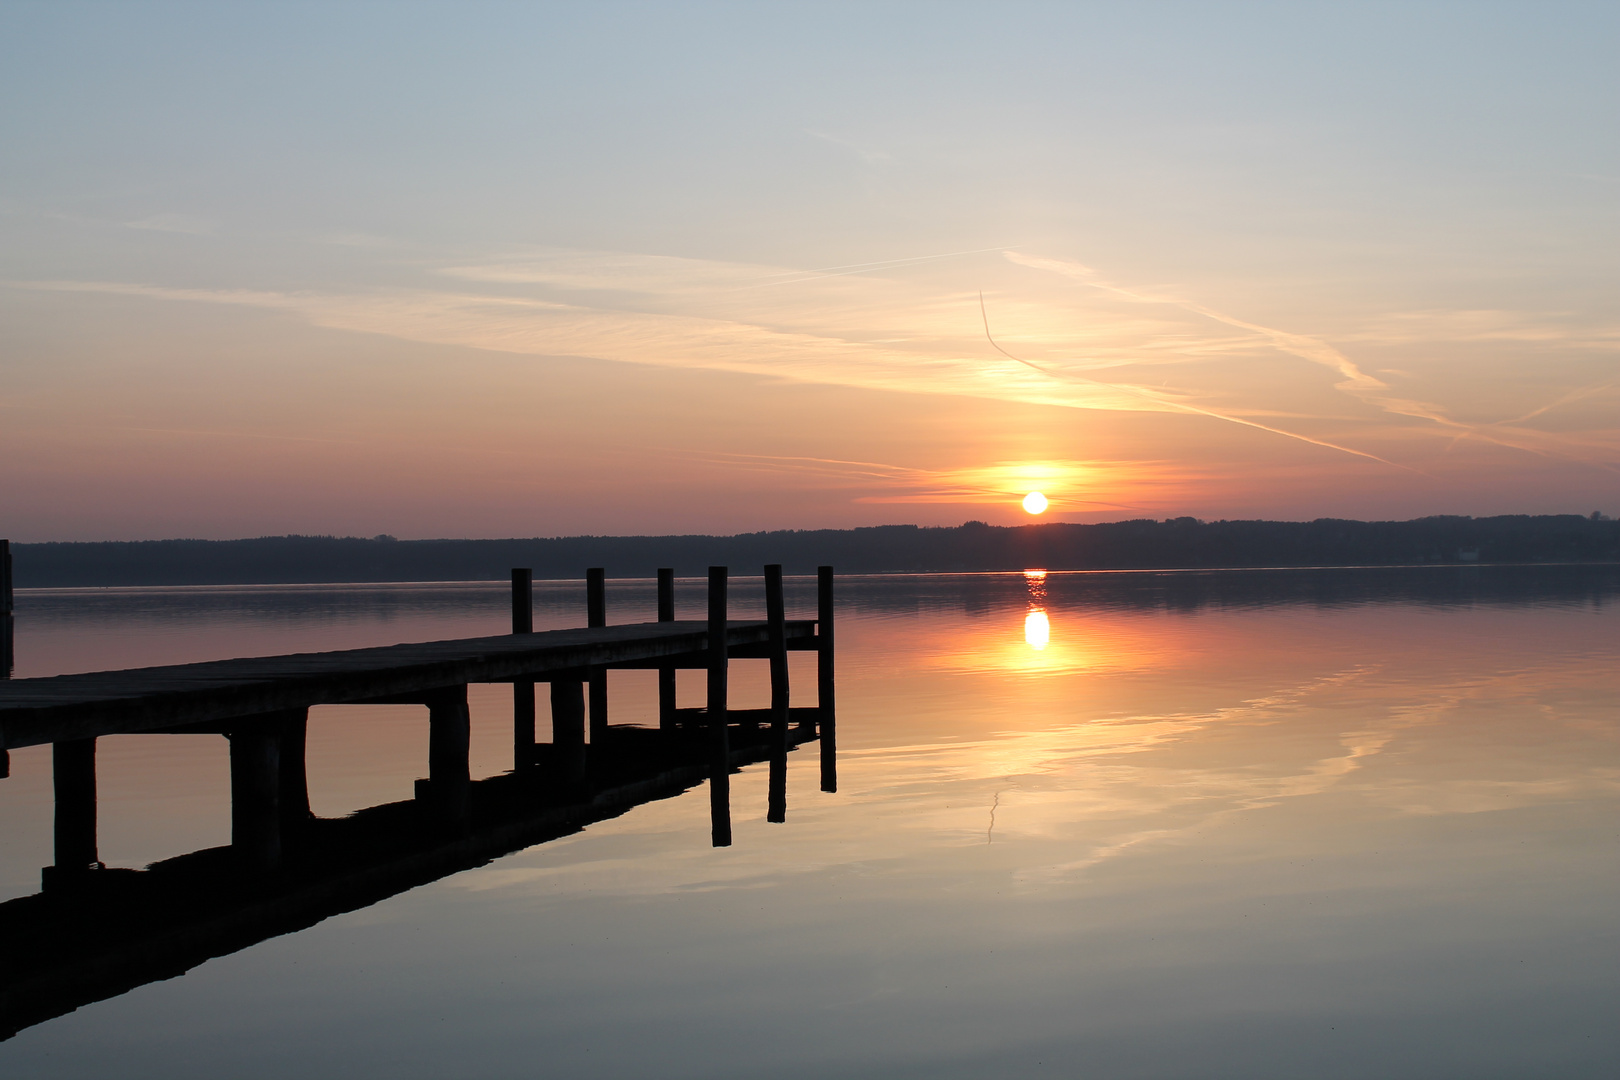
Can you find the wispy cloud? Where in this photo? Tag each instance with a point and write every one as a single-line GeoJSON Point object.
{"type": "Point", "coordinates": [1354, 381]}
{"type": "Point", "coordinates": [914, 324]}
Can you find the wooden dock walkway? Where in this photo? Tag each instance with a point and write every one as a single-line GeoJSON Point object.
{"type": "Point", "coordinates": [93, 932]}
{"type": "Point", "coordinates": [222, 692]}
{"type": "Point", "coordinates": [262, 705]}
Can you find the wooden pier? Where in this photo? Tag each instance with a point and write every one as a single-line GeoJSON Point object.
{"type": "Point", "coordinates": [94, 932]}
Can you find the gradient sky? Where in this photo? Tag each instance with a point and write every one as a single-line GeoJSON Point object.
{"type": "Point", "coordinates": [516, 270]}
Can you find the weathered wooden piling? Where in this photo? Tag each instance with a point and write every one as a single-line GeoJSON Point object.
{"type": "Point", "coordinates": [73, 777]}
{"type": "Point", "coordinates": [827, 718]}
{"type": "Point", "coordinates": [7, 626]}
{"type": "Point", "coordinates": [256, 795]}
{"type": "Point", "coordinates": [596, 615]}
{"type": "Point", "coordinates": [568, 728]}
{"type": "Point", "coordinates": [666, 674]}
{"type": "Point", "coordinates": [776, 621]}
{"type": "Point", "coordinates": [293, 797]}
{"type": "Point", "coordinates": [776, 795]}
{"type": "Point", "coordinates": [449, 741]}
{"type": "Point", "coordinates": [523, 711]}
{"type": "Point", "coordinates": [7, 629]}
{"type": "Point", "coordinates": [719, 738]}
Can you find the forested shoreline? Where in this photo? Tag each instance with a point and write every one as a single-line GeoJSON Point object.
{"type": "Point", "coordinates": [1180, 543]}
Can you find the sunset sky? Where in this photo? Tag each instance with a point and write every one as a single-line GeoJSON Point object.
{"type": "Point", "coordinates": [517, 270]}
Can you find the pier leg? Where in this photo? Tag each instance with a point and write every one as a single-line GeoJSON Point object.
{"type": "Point", "coordinates": [598, 709]}
{"type": "Point", "coordinates": [73, 773]}
{"type": "Point", "coordinates": [568, 728]}
{"type": "Point", "coordinates": [449, 739]}
{"type": "Point", "coordinates": [7, 627]}
{"type": "Point", "coordinates": [827, 718]}
{"type": "Point", "coordinates": [776, 797]}
{"type": "Point", "coordinates": [255, 796]}
{"type": "Point", "coordinates": [666, 675]}
{"type": "Point", "coordinates": [596, 615]}
{"type": "Point", "coordinates": [522, 600]}
{"type": "Point", "coordinates": [294, 778]}
{"type": "Point", "coordinates": [719, 738]}
{"type": "Point", "coordinates": [523, 713]}
{"type": "Point", "coordinates": [776, 622]}
{"type": "Point", "coordinates": [522, 689]}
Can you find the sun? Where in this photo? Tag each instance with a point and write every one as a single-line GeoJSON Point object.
{"type": "Point", "coordinates": [1035, 503]}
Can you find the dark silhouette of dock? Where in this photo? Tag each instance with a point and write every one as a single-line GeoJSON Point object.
{"type": "Point", "coordinates": [93, 932]}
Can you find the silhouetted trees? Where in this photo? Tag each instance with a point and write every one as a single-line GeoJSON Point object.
{"type": "Point", "coordinates": [1144, 544]}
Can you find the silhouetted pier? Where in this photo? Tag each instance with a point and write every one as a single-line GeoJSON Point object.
{"type": "Point", "coordinates": [94, 932]}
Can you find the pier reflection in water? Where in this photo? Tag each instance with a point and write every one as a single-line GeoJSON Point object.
{"type": "Point", "coordinates": [94, 932]}
{"type": "Point", "coordinates": [1245, 825]}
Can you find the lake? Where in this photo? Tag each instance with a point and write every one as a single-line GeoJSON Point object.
{"type": "Point", "coordinates": [1242, 824]}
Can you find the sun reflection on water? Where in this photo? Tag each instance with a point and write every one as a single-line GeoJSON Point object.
{"type": "Point", "coordinates": [1037, 627]}
{"type": "Point", "coordinates": [1037, 630]}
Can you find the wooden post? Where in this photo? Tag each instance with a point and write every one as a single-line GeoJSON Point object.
{"type": "Point", "coordinates": [666, 675]}
{"type": "Point", "coordinates": [568, 728]}
{"type": "Point", "coordinates": [73, 774]}
{"type": "Point", "coordinates": [293, 796]}
{"type": "Point", "coordinates": [449, 740]}
{"type": "Point", "coordinates": [7, 626]}
{"type": "Point", "coordinates": [827, 719]}
{"type": "Point", "coordinates": [719, 738]}
{"type": "Point", "coordinates": [596, 615]}
{"type": "Point", "coordinates": [7, 635]}
{"type": "Point", "coordinates": [256, 796]}
{"type": "Point", "coordinates": [522, 600]}
{"type": "Point", "coordinates": [596, 596]}
{"type": "Point", "coordinates": [522, 689]}
{"type": "Point", "coordinates": [776, 622]}
{"type": "Point", "coordinates": [776, 795]}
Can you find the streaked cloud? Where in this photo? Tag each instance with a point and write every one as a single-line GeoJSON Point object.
{"type": "Point", "coordinates": [911, 325]}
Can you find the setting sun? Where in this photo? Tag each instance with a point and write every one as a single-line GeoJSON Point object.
{"type": "Point", "coordinates": [1035, 502]}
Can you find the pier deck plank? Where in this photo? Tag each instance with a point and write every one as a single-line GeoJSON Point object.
{"type": "Point", "coordinates": [63, 707]}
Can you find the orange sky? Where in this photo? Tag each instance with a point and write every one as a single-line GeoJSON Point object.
{"type": "Point", "coordinates": [233, 303]}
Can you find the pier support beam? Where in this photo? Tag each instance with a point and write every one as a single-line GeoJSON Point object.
{"type": "Point", "coordinates": [666, 675]}
{"type": "Point", "coordinates": [776, 622]}
{"type": "Point", "coordinates": [568, 729]}
{"type": "Point", "coordinates": [7, 627]}
{"type": "Point", "coordinates": [523, 724]}
{"type": "Point", "coordinates": [449, 785]}
{"type": "Point", "coordinates": [596, 615]}
{"type": "Point", "coordinates": [827, 718]}
{"type": "Point", "coordinates": [73, 774]}
{"type": "Point", "coordinates": [256, 796]}
{"type": "Point", "coordinates": [719, 737]}
{"type": "Point", "coordinates": [523, 710]}
{"type": "Point", "coordinates": [293, 796]}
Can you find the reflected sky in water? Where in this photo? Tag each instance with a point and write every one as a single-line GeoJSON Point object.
{"type": "Point", "coordinates": [1327, 824]}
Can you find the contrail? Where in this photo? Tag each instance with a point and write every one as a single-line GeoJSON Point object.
{"type": "Point", "coordinates": [1356, 382]}
{"type": "Point", "coordinates": [1157, 399]}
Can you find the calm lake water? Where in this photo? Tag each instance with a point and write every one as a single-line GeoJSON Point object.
{"type": "Point", "coordinates": [1244, 824]}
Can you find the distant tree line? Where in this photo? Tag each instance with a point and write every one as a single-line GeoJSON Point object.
{"type": "Point", "coordinates": [1179, 543]}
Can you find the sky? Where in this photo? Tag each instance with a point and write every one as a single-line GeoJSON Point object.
{"type": "Point", "coordinates": [489, 270]}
